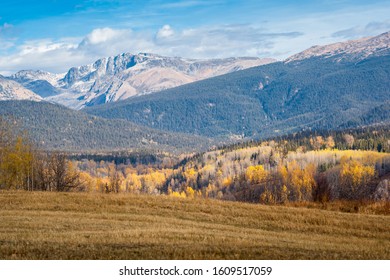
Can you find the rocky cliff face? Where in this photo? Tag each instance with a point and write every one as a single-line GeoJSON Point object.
{"type": "Point", "coordinates": [119, 77]}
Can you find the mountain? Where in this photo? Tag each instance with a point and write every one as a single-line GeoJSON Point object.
{"type": "Point", "coordinates": [353, 50]}
{"type": "Point", "coordinates": [54, 127]}
{"type": "Point", "coordinates": [11, 90]}
{"type": "Point", "coordinates": [116, 78]}
{"type": "Point", "coordinates": [43, 83]}
{"type": "Point", "coordinates": [338, 88]}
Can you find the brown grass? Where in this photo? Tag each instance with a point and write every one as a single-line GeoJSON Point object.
{"type": "Point", "coordinates": [358, 207]}
{"type": "Point", "coordinates": [97, 226]}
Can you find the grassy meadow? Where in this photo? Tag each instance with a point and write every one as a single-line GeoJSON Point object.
{"type": "Point", "coordinates": [45, 225]}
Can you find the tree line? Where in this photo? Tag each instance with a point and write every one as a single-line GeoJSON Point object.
{"type": "Point", "coordinates": [297, 168]}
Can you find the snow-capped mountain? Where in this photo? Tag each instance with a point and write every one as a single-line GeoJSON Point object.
{"type": "Point", "coordinates": [125, 75]}
{"type": "Point", "coordinates": [25, 76]}
{"type": "Point", "coordinates": [11, 90]}
{"type": "Point", "coordinates": [120, 77]}
{"type": "Point", "coordinates": [43, 83]}
{"type": "Point", "coordinates": [350, 50]}
{"type": "Point", "coordinates": [316, 93]}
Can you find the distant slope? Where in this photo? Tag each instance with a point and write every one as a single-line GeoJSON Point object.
{"type": "Point", "coordinates": [55, 127]}
{"type": "Point", "coordinates": [277, 98]}
{"type": "Point", "coordinates": [350, 50]}
{"type": "Point", "coordinates": [376, 116]}
{"type": "Point", "coordinates": [42, 83]}
{"type": "Point", "coordinates": [11, 90]}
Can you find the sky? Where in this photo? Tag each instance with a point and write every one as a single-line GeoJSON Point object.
{"type": "Point", "coordinates": [54, 35]}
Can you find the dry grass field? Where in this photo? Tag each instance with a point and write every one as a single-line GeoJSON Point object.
{"type": "Point", "coordinates": [44, 225]}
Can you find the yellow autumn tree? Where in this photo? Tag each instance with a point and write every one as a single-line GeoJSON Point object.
{"type": "Point", "coordinates": [87, 182]}
{"type": "Point", "coordinates": [283, 174]}
{"type": "Point", "coordinates": [330, 144]}
{"type": "Point", "coordinates": [300, 181]}
{"type": "Point", "coordinates": [133, 183]}
{"type": "Point", "coordinates": [256, 174]}
{"type": "Point", "coordinates": [190, 193]}
{"type": "Point", "coordinates": [16, 165]}
{"type": "Point", "coordinates": [178, 194]}
{"type": "Point", "coordinates": [190, 175]}
{"type": "Point", "coordinates": [355, 178]}
{"type": "Point", "coordinates": [317, 142]}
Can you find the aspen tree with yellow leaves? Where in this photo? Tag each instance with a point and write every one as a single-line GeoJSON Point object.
{"type": "Point", "coordinates": [355, 179]}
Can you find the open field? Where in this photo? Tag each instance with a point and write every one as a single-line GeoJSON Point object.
{"type": "Point", "coordinates": [42, 225]}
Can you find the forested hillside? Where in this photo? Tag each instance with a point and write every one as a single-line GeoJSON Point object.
{"type": "Point", "coordinates": [352, 165]}
{"type": "Point", "coordinates": [54, 127]}
{"type": "Point", "coordinates": [274, 99]}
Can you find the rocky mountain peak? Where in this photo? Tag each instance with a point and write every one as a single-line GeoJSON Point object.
{"type": "Point", "coordinates": [350, 50]}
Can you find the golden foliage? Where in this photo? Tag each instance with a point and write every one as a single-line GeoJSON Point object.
{"type": "Point", "coordinates": [355, 177]}
{"type": "Point", "coordinates": [256, 174]}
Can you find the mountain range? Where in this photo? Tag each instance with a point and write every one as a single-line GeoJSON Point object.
{"type": "Point", "coordinates": [129, 99]}
{"type": "Point", "coordinates": [116, 78]}
{"type": "Point", "coordinates": [333, 88]}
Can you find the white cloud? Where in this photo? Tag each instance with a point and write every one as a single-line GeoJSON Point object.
{"type": "Point", "coordinates": [41, 54]}
{"type": "Point", "coordinates": [103, 35]}
{"type": "Point", "coordinates": [165, 32]}
{"type": "Point", "coordinates": [220, 41]}
{"type": "Point", "coordinates": [274, 32]}
{"type": "Point", "coordinates": [59, 55]}
{"type": "Point", "coordinates": [265, 40]}
{"type": "Point", "coordinates": [38, 47]}
{"type": "Point", "coordinates": [106, 42]}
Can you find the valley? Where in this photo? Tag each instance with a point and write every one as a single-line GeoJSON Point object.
{"type": "Point", "coordinates": [331, 87]}
{"type": "Point", "coordinates": [154, 157]}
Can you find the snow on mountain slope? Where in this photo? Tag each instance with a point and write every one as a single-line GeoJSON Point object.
{"type": "Point", "coordinates": [11, 90]}
{"type": "Point", "coordinates": [349, 50]}
{"type": "Point", "coordinates": [116, 78]}
{"type": "Point", "coordinates": [25, 76]}
{"type": "Point", "coordinates": [42, 83]}
{"type": "Point", "coordinates": [119, 77]}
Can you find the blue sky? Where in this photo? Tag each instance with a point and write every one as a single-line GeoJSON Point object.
{"type": "Point", "coordinates": [54, 35]}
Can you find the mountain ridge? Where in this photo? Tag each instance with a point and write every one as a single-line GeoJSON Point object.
{"type": "Point", "coordinates": [318, 92]}
{"type": "Point", "coordinates": [119, 77]}
{"type": "Point", "coordinates": [345, 88]}
{"type": "Point", "coordinates": [352, 50]}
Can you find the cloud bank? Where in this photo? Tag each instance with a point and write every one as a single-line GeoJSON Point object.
{"type": "Point", "coordinates": [206, 42]}
{"type": "Point", "coordinates": [191, 29]}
